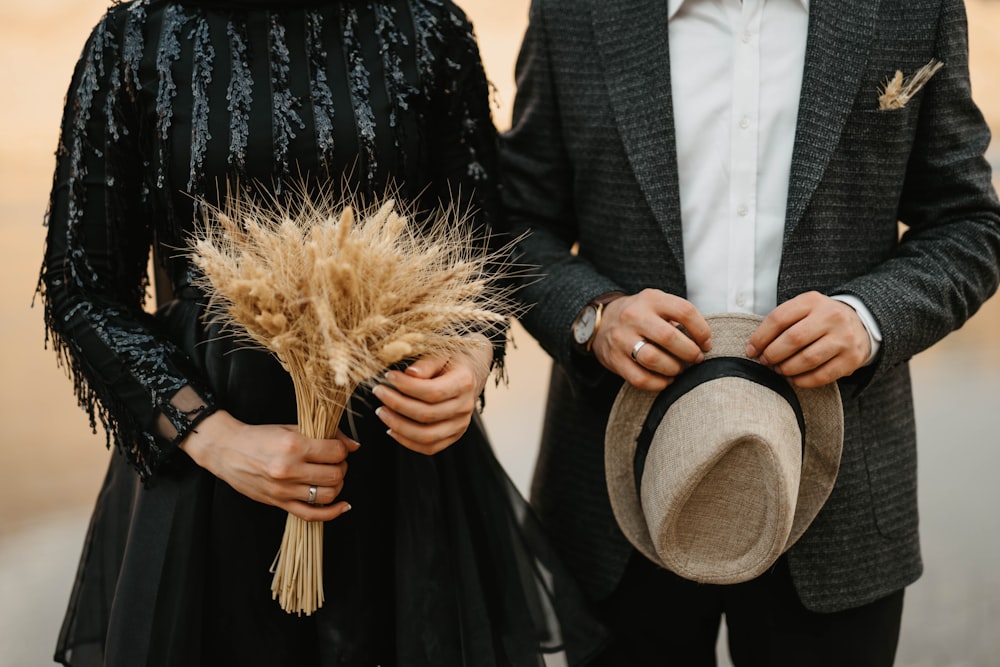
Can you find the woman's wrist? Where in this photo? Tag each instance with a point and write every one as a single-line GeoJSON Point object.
{"type": "Point", "coordinates": [198, 444]}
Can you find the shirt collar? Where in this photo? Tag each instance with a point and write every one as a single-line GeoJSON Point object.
{"type": "Point", "coordinates": [674, 6]}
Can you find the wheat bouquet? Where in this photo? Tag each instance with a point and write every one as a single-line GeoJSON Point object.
{"type": "Point", "coordinates": [339, 292]}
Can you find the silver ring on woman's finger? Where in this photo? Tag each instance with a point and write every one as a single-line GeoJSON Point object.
{"type": "Point", "coordinates": [312, 495]}
{"type": "Point", "coordinates": [636, 348]}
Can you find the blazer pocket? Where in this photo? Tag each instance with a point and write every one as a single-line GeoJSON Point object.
{"type": "Point", "coordinates": [889, 445]}
{"type": "Point", "coordinates": [874, 151]}
{"type": "Point", "coordinates": [891, 127]}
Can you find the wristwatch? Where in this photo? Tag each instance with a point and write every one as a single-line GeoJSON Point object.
{"type": "Point", "coordinates": [588, 321]}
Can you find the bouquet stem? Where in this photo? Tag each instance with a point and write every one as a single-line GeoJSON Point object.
{"type": "Point", "coordinates": [298, 567]}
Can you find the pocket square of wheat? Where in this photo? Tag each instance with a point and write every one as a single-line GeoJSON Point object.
{"type": "Point", "coordinates": [897, 90]}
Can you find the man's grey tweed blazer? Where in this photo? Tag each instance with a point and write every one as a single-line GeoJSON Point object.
{"type": "Point", "coordinates": [590, 161]}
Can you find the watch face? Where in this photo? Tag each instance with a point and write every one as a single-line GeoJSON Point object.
{"type": "Point", "coordinates": [583, 329]}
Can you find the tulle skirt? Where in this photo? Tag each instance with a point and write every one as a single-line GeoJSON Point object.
{"type": "Point", "coordinates": [439, 563]}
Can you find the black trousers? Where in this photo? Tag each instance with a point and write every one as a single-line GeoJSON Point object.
{"type": "Point", "coordinates": [659, 619]}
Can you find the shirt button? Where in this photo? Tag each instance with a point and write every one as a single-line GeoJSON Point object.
{"type": "Point", "coordinates": [743, 210]}
{"type": "Point", "coordinates": [745, 122]}
{"type": "Point", "coordinates": [747, 36]}
{"type": "Point", "coordinates": [741, 300]}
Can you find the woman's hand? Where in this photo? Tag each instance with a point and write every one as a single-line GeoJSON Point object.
{"type": "Point", "coordinates": [275, 465]}
{"type": "Point", "coordinates": [429, 406]}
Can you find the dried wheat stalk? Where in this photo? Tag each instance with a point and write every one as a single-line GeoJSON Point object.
{"type": "Point", "coordinates": [897, 91]}
{"type": "Point", "coordinates": [339, 292]}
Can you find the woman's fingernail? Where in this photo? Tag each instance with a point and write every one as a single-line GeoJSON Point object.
{"type": "Point", "coordinates": [378, 391]}
{"type": "Point", "coordinates": [378, 412]}
{"type": "Point", "coordinates": [751, 351]}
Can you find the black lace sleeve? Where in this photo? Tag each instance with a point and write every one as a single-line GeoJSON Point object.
{"type": "Point", "coordinates": [93, 280]}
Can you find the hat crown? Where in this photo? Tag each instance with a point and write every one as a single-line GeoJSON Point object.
{"type": "Point", "coordinates": [721, 480]}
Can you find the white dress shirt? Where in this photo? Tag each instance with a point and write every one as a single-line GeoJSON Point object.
{"type": "Point", "coordinates": [736, 74]}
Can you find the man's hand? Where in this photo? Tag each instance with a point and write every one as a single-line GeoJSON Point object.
{"type": "Point", "coordinates": [652, 316]}
{"type": "Point", "coordinates": [812, 340]}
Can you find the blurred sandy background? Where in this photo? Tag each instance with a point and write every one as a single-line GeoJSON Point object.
{"type": "Point", "coordinates": [51, 466]}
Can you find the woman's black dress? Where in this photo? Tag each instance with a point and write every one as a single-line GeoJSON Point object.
{"type": "Point", "coordinates": [439, 562]}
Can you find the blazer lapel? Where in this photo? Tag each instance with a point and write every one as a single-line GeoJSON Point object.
{"type": "Point", "coordinates": [638, 80]}
{"type": "Point", "coordinates": [631, 37]}
{"type": "Point", "coordinates": [840, 35]}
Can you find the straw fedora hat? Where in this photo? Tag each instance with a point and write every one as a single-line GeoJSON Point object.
{"type": "Point", "coordinates": [718, 475]}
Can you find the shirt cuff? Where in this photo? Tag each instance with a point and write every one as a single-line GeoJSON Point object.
{"type": "Point", "coordinates": [871, 326]}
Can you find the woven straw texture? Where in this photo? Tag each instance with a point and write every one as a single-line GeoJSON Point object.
{"type": "Point", "coordinates": [720, 497]}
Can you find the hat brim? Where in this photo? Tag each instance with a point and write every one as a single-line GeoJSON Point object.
{"type": "Point", "coordinates": [822, 412]}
